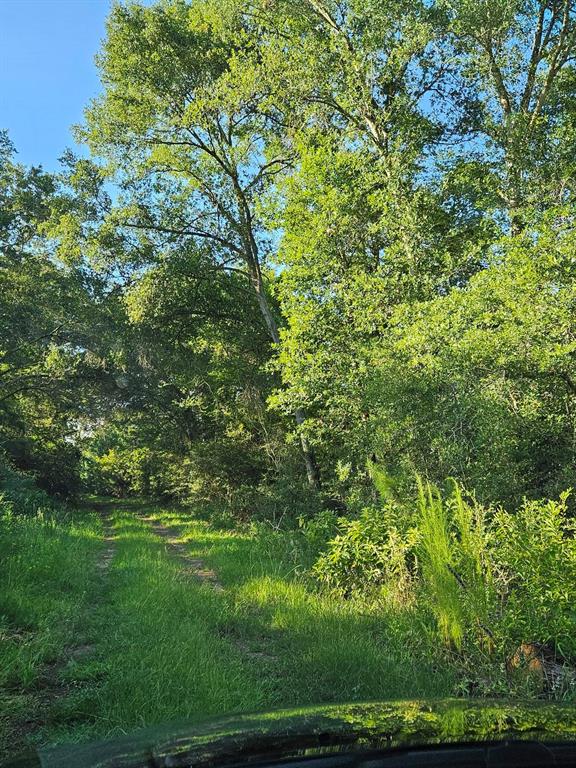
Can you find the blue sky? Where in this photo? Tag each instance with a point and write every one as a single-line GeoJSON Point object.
{"type": "Point", "coordinates": [47, 72]}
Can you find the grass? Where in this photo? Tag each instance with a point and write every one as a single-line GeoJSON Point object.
{"type": "Point", "coordinates": [319, 649]}
{"type": "Point", "coordinates": [49, 579]}
{"type": "Point", "coordinates": [164, 646]}
{"type": "Point", "coordinates": [163, 654]}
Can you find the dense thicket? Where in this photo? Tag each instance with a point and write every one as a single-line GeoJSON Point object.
{"type": "Point", "coordinates": [318, 243]}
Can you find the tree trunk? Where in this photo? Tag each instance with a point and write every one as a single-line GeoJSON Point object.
{"type": "Point", "coordinates": [253, 263]}
{"type": "Point", "coordinates": [515, 217]}
{"type": "Point", "coordinates": [269, 319]}
{"type": "Point", "coordinates": [309, 458]}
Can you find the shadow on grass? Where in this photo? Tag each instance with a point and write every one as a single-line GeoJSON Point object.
{"type": "Point", "coordinates": [312, 647]}
{"type": "Point", "coordinates": [301, 646]}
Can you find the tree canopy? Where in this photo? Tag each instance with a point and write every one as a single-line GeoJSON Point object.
{"type": "Point", "coordinates": [312, 236]}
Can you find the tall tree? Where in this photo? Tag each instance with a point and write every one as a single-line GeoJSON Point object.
{"type": "Point", "coordinates": [518, 57]}
{"type": "Point", "coordinates": [183, 124]}
{"type": "Point", "coordinates": [47, 367]}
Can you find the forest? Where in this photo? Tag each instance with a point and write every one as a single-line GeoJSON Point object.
{"type": "Point", "coordinates": [302, 320]}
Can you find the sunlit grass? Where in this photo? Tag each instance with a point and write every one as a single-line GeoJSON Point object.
{"type": "Point", "coordinates": [164, 659]}
{"type": "Point", "coordinates": [314, 648]}
{"type": "Point", "coordinates": [164, 646]}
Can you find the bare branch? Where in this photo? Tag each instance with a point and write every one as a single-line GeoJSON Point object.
{"type": "Point", "coordinates": [535, 58]}
{"type": "Point", "coordinates": [190, 232]}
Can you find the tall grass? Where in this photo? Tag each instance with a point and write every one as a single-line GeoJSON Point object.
{"type": "Point", "coordinates": [48, 577]}
{"type": "Point", "coordinates": [439, 572]}
{"type": "Point", "coordinates": [484, 583]}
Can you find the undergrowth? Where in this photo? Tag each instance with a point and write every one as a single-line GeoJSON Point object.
{"type": "Point", "coordinates": [481, 583]}
{"type": "Point", "coordinates": [385, 606]}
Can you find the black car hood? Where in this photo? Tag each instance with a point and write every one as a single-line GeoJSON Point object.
{"type": "Point", "coordinates": [324, 730]}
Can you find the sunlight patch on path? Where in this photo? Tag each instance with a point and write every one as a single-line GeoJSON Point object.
{"type": "Point", "coordinates": [196, 567]}
{"type": "Point", "coordinates": [193, 566]}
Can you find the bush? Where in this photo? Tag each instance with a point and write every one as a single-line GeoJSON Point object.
{"type": "Point", "coordinates": [120, 473]}
{"type": "Point", "coordinates": [53, 464]}
{"type": "Point", "coordinates": [536, 566]}
{"type": "Point", "coordinates": [368, 554]}
{"type": "Point", "coordinates": [319, 530]}
{"type": "Point", "coordinates": [19, 493]}
{"type": "Point", "coordinates": [482, 582]}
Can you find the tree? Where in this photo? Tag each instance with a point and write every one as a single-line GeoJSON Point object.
{"type": "Point", "coordinates": [184, 125]}
{"type": "Point", "coordinates": [518, 59]}
{"type": "Point", "coordinates": [480, 383]}
{"type": "Point", "coordinates": [57, 325]}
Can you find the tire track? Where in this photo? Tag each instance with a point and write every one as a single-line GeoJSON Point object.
{"type": "Point", "coordinates": [192, 566]}
{"type": "Point", "coordinates": [48, 699]}
{"type": "Point", "coordinates": [197, 568]}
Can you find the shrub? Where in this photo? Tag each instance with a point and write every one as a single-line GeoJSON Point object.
{"type": "Point", "coordinates": [19, 493]}
{"type": "Point", "coordinates": [319, 530]}
{"type": "Point", "coordinates": [483, 582]}
{"type": "Point", "coordinates": [535, 552]}
{"type": "Point", "coordinates": [368, 554]}
{"type": "Point", "coordinates": [120, 472]}
{"type": "Point", "coordinates": [52, 464]}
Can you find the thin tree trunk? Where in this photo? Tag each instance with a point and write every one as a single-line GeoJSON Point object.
{"type": "Point", "coordinates": [515, 217]}
{"type": "Point", "coordinates": [309, 459]}
{"type": "Point", "coordinates": [253, 263]}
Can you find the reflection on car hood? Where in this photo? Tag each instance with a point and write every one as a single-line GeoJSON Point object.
{"type": "Point", "coordinates": [321, 730]}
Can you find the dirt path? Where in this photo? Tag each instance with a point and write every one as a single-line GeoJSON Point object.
{"type": "Point", "coordinates": [192, 566]}
{"type": "Point", "coordinates": [197, 568]}
{"type": "Point", "coordinates": [161, 621]}
{"type": "Point", "coordinates": [54, 689]}
{"type": "Point", "coordinates": [109, 550]}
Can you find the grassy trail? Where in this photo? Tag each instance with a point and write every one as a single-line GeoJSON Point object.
{"type": "Point", "coordinates": [178, 620]}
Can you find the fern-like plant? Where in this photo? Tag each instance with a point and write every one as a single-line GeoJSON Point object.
{"type": "Point", "coordinates": [436, 554]}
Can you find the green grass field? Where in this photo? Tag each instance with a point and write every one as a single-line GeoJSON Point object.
{"type": "Point", "coordinates": [95, 648]}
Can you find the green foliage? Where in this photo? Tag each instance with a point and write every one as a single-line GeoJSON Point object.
{"type": "Point", "coordinates": [323, 242]}
{"type": "Point", "coordinates": [454, 553]}
{"type": "Point", "coordinates": [120, 472]}
{"type": "Point", "coordinates": [319, 530]}
{"type": "Point", "coordinates": [387, 230]}
{"type": "Point", "coordinates": [478, 382]}
{"type": "Point", "coordinates": [488, 580]}
{"type": "Point", "coordinates": [20, 494]}
{"type": "Point", "coordinates": [536, 566]}
{"type": "Point", "coordinates": [438, 567]}
{"type": "Point", "coordinates": [370, 553]}
{"type": "Point", "coordinates": [56, 321]}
